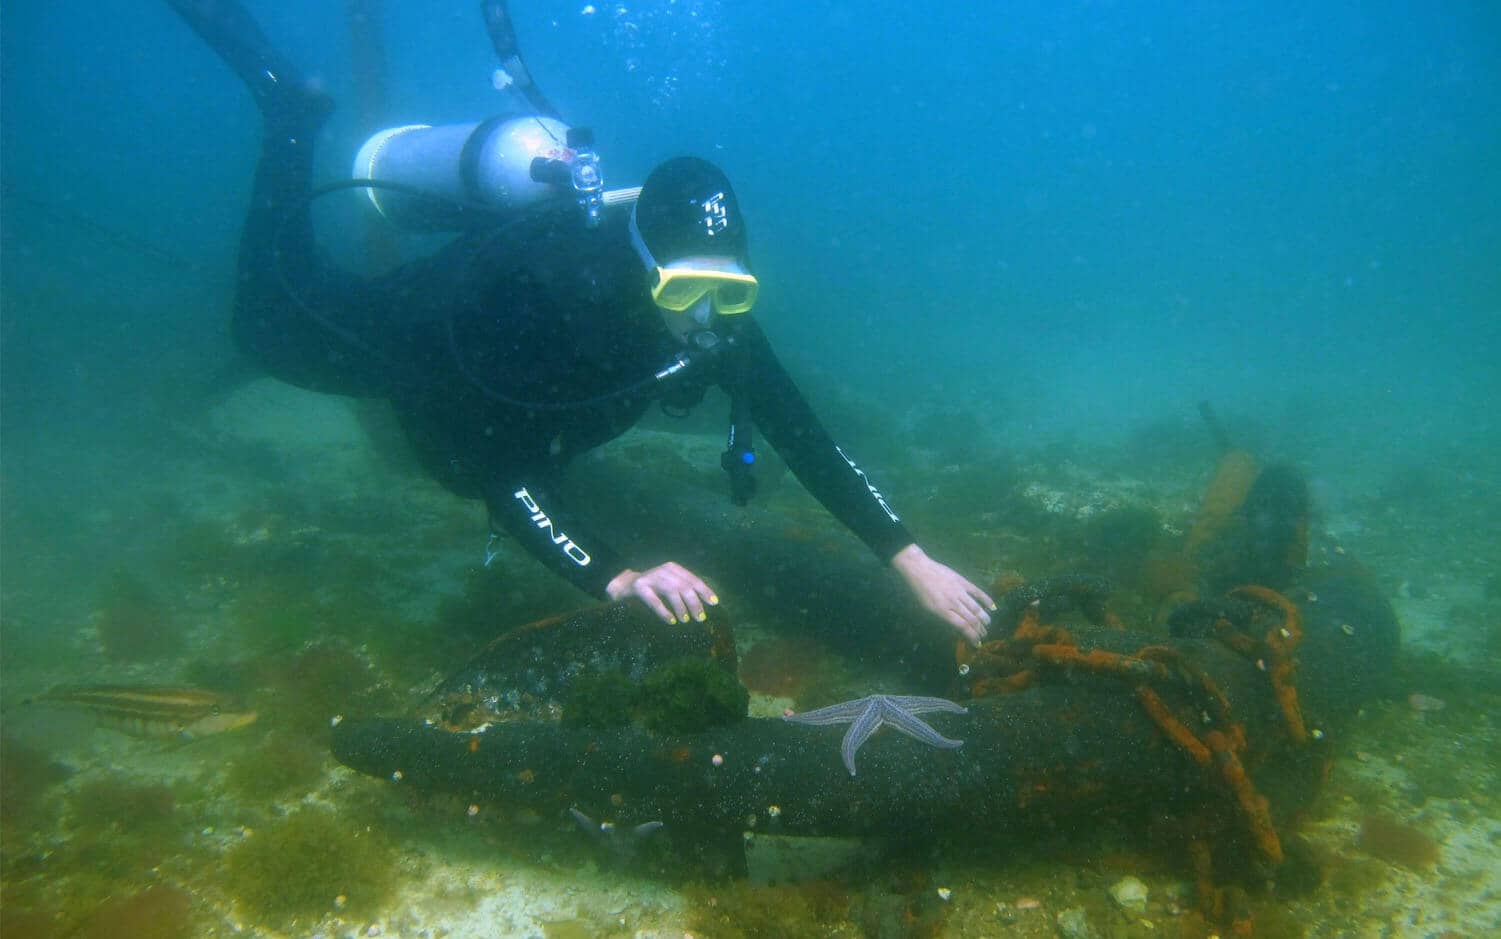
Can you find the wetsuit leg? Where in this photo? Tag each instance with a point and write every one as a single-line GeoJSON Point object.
{"type": "Point", "coordinates": [278, 88]}
{"type": "Point", "coordinates": [296, 314]}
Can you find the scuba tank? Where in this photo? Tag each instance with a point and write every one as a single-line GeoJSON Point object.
{"type": "Point", "coordinates": [431, 179]}
{"type": "Point", "coordinates": [449, 178]}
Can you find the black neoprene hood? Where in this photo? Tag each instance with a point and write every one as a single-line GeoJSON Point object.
{"type": "Point", "coordinates": [687, 209]}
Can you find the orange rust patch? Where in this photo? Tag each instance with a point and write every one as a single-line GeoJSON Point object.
{"type": "Point", "coordinates": [1151, 670]}
{"type": "Point", "coordinates": [1004, 684]}
{"type": "Point", "coordinates": [1253, 805]}
{"type": "Point", "coordinates": [1174, 729]}
{"type": "Point", "coordinates": [1282, 641]}
{"type": "Point", "coordinates": [1031, 629]}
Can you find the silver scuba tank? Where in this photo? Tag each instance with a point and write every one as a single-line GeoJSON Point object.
{"type": "Point", "coordinates": [486, 163]}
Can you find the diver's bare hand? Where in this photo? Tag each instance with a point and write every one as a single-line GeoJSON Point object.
{"type": "Point", "coordinates": [945, 593]}
{"type": "Point", "coordinates": [671, 590]}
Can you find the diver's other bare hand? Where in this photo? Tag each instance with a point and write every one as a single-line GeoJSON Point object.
{"type": "Point", "coordinates": [671, 590]}
{"type": "Point", "coordinates": [945, 593]}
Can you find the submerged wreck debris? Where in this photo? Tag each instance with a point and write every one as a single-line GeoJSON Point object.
{"type": "Point", "coordinates": [1061, 748]}
{"type": "Point", "coordinates": [1184, 690]}
{"type": "Point", "coordinates": [1252, 526]}
{"type": "Point", "coordinates": [1214, 730]}
{"type": "Point", "coordinates": [1052, 595]}
{"type": "Point", "coordinates": [1264, 539]}
{"type": "Point", "coordinates": [534, 672]}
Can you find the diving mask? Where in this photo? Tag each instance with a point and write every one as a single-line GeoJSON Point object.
{"type": "Point", "coordinates": [683, 283]}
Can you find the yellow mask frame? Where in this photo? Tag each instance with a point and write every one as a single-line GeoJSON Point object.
{"type": "Point", "coordinates": [683, 283]}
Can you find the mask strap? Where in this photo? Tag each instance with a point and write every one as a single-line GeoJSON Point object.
{"type": "Point", "coordinates": [639, 244]}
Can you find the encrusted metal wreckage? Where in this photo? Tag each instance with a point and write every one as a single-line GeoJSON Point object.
{"type": "Point", "coordinates": [1218, 723]}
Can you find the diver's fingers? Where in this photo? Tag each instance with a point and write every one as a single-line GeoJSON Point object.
{"type": "Point", "coordinates": [694, 604]}
{"type": "Point", "coordinates": [975, 611]}
{"type": "Point", "coordinates": [692, 592]}
{"type": "Point", "coordinates": [983, 598]}
{"type": "Point", "coordinates": [965, 613]}
{"type": "Point", "coordinates": [976, 605]}
{"type": "Point", "coordinates": [969, 630]}
{"type": "Point", "coordinates": [679, 608]}
{"type": "Point", "coordinates": [969, 611]}
{"type": "Point", "coordinates": [698, 594]}
{"type": "Point", "coordinates": [650, 598]}
{"type": "Point", "coordinates": [671, 580]}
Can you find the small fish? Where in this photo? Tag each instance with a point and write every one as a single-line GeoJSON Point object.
{"type": "Point", "coordinates": [1425, 702]}
{"type": "Point", "coordinates": [153, 710]}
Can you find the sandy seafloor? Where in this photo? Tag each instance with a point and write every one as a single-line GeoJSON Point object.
{"type": "Point", "coordinates": [271, 532]}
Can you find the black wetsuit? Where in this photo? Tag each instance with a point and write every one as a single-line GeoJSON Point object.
{"type": "Point", "coordinates": [541, 310]}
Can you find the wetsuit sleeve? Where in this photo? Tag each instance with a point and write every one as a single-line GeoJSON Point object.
{"type": "Point", "coordinates": [531, 512]}
{"type": "Point", "coordinates": [782, 414]}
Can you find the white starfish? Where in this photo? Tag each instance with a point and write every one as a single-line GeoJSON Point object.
{"type": "Point", "coordinates": [869, 714]}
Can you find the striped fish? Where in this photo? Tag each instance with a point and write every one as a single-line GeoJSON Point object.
{"type": "Point", "coordinates": [153, 710]}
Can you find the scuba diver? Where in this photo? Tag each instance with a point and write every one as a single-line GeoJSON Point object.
{"type": "Point", "coordinates": [547, 327]}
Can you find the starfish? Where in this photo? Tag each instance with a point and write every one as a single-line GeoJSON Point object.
{"type": "Point", "coordinates": [621, 841]}
{"type": "Point", "coordinates": [868, 714]}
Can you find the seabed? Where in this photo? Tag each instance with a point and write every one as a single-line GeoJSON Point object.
{"type": "Point", "coordinates": [278, 555]}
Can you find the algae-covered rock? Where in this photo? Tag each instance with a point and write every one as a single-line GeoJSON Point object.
{"type": "Point", "coordinates": [685, 696]}
{"type": "Point", "coordinates": [691, 695]}
{"type": "Point", "coordinates": [600, 699]}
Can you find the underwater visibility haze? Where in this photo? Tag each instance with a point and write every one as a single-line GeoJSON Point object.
{"type": "Point", "coordinates": [1173, 327]}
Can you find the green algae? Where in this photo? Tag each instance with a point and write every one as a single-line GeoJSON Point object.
{"type": "Point", "coordinates": [600, 699]}
{"type": "Point", "coordinates": [284, 764]}
{"type": "Point", "coordinates": [322, 680]}
{"type": "Point", "coordinates": [108, 836]}
{"type": "Point", "coordinates": [685, 696]}
{"type": "Point", "coordinates": [26, 776]}
{"type": "Point", "coordinates": [158, 912]}
{"type": "Point", "coordinates": [1357, 878]}
{"type": "Point", "coordinates": [691, 695]}
{"type": "Point", "coordinates": [108, 803]}
{"type": "Point", "coordinates": [274, 614]}
{"type": "Point", "coordinates": [297, 868]}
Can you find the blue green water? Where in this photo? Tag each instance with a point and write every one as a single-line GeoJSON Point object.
{"type": "Point", "coordinates": [1067, 223]}
{"type": "Point", "coordinates": [1248, 201]}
